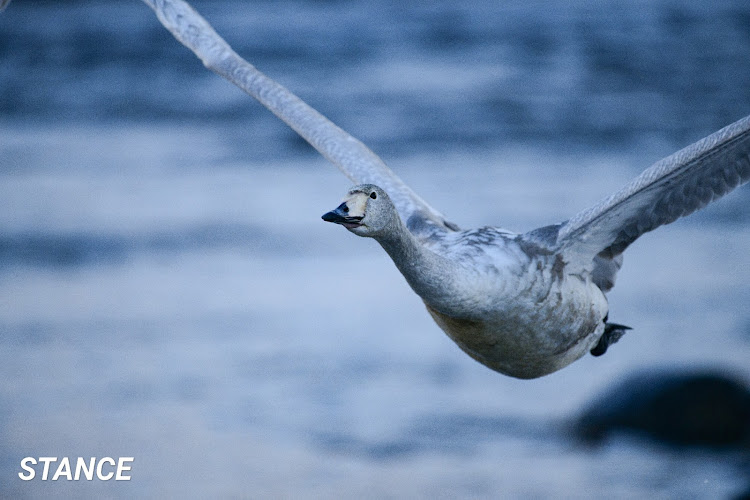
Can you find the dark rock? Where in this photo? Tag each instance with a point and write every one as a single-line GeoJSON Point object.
{"type": "Point", "coordinates": [745, 495]}
{"type": "Point", "coordinates": [707, 408]}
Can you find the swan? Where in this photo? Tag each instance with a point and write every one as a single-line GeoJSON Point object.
{"type": "Point", "coordinates": [525, 305]}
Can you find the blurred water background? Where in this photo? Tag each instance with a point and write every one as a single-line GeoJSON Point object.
{"type": "Point", "coordinates": [169, 292]}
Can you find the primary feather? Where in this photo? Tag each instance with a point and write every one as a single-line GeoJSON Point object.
{"type": "Point", "coordinates": [672, 188]}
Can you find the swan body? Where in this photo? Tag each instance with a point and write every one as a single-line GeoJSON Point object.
{"type": "Point", "coordinates": [525, 304]}
{"type": "Point", "coordinates": [523, 315]}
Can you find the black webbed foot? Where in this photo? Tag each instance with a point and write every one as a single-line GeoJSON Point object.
{"type": "Point", "coordinates": [612, 333]}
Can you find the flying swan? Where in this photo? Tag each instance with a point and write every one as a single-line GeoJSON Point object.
{"type": "Point", "coordinates": [525, 305]}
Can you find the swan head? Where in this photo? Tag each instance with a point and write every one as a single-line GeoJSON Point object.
{"type": "Point", "coordinates": [366, 211]}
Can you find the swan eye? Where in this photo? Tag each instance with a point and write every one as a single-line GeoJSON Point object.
{"type": "Point", "coordinates": [345, 209]}
{"type": "Point", "coordinates": [374, 195]}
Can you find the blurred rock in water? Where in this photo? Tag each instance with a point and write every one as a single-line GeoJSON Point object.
{"type": "Point", "coordinates": [700, 408]}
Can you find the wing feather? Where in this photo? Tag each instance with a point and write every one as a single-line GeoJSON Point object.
{"type": "Point", "coordinates": [352, 157]}
{"type": "Point", "coordinates": [671, 188]}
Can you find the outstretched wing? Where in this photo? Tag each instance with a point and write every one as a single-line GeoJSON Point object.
{"type": "Point", "coordinates": [671, 188]}
{"type": "Point", "coordinates": [352, 157]}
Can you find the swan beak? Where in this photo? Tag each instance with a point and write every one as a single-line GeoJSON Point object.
{"type": "Point", "coordinates": [341, 216]}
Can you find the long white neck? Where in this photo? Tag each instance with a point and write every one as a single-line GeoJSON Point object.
{"type": "Point", "coordinates": [434, 278]}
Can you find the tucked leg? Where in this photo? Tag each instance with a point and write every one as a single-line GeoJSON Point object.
{"type": "Point", "coordinates": [612, 333]}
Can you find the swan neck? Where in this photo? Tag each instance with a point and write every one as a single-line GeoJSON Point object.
{"type": "Point", "coordinates": [401, 245]}
{"type": "Point", "coordinates": [431, 276]}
